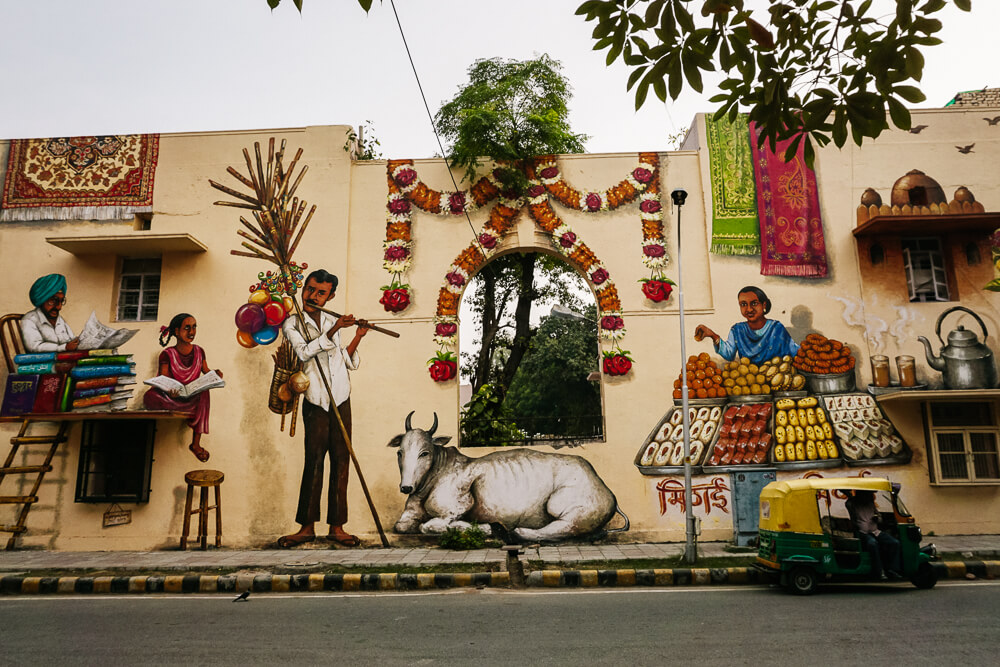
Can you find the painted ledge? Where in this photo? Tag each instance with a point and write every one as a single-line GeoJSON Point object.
{"type": "Point", "coordinates": [127, 244]}
{"type": "Point", "coordinates": [917, 225]}
{"type": "Point", "coordinates": [938, 395]}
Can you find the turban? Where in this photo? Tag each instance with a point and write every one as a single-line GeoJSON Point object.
{"type": "Point", "coordinates": [46, 287]}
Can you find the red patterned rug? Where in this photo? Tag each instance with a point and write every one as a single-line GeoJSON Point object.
{"type": "Point", "coordinates": [80, 178]}
{"type": "Point", "coordinates": [791, 226]}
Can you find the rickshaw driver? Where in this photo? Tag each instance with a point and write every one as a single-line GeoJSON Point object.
{"type": "Point", "coordinates": [861, 507]}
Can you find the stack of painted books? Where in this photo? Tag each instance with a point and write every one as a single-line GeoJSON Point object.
{"type": "Point", "coordinates": [82, 381]}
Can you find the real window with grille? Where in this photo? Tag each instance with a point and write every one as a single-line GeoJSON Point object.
{"type": "Point", "coordinates": [926, 278]}
{"type": "Point", "coordinates": [139, 290]}
{"type": "Point", "coordinates": [963, 442]}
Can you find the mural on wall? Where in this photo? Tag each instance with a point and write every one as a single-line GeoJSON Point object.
{"type": "Point", "coordinates": [763, 204]}
{"type": "Point", "coordinates": [44, 329]}
{"type": "Point", "coordinates": [184, 379]}
{"type": "Point", "coordinates": [759, 338]}
{"type": "Point", "coordinates": [312, 332]}
{"type": "Point", "coordinates": [60, 371]}
{"type": "Point", "coordinates": [708, 495]}
{"type": "Point", "coordinates": [546, 182]}
{"type": "Point", "coordinates": [771, 419]}
{"type": "Point", "coordinates": [527, 494]}
{"type": "Point", "coordinates": [80, 178]}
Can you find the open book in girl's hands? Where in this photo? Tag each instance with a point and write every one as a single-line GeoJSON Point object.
{"type": "Point", "coordinates": [209, 380]}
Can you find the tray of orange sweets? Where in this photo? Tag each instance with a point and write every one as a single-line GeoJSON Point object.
{"type": "Point", "coordinates": [821, 355]}
{"type": "Point", "coordinates": [704, 381]}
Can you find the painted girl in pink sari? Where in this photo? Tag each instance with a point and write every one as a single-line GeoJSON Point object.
{"type": "Point", "coordinates": [184, 362]}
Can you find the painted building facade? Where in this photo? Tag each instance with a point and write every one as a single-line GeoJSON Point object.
{"type": "Point", "coordinates": [863, 301]}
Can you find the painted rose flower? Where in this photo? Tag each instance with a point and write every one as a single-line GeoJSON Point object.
{"type": "Point", "coordinates": [656, 290]}
{"type": "Point", "coordinates": [456, 202]}
{"type": "Point", "coordinates": [488, 241]}
{"type": "Point", "coordinates": [593, 202]}
{"type": "Point", "coordinates": [536, 190]}
{"type": "Point", "coordinates": [549, 172]}
{"type": "Point", "coordinates": [642, 175]}
{"type": "Point", "coordinates": [395, 299]}
{"type": "Point", "coordinates": [442, 371]}
{"type": "Point", "coordinates": [650, 206]}
{"type": "Point", "coordinates": [599, 276]}
{"type": "Point", "coordinates": [455, 278]}
{"type": "Point", "coordinates": [567, 240]}
{"type": "Point", "coordinates": [445, 329]}
{"type": "Point", "coordinates": [653, 250]}
{"type": "Point", "coordinates": [617, 363]}
{"type": "Point", "coordinates": [405, 177]}
{"type": "Point", "coordinates": [612, 323]}
{"type": "Point", "coordinates": [395, 253]}
{"type": "Point", "coordinates": [399, 205]}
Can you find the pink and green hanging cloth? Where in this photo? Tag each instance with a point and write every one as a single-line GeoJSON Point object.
{"type": "Point", "coordinates": [791, 226]}
{"type": "Point", "coordinates": [735, 229]}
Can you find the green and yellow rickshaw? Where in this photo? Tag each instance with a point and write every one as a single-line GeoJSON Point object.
{"type": "Point", "coordinates": [807, 535]}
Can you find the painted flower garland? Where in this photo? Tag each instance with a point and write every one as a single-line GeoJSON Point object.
{"type": "Point", "coordinates": [406, 190]}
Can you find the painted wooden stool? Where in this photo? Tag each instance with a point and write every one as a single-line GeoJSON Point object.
{"type": "Point", "coordinates": [203, 479]}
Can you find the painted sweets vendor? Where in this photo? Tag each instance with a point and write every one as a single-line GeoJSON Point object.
{"type": "Point", "coordinates": [758, 338]}
{"type": "Point", "coordinates": [43, 329]}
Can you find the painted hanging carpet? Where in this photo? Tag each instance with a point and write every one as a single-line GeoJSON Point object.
{"type": "Point", "coordinates": [734, 204]}
{"type": "Point", "coordinates": [80, 178]}
{"type": "Point", "coordinates": [791, 227]}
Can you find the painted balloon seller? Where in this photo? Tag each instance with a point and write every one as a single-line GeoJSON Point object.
{"type": "Point", "coordinates": [759, 338]}
{"type": "Point", "coordinates": [326, 362]}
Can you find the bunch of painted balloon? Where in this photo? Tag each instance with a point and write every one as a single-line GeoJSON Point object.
{"type": "Point", "coordinates": [258, 321]}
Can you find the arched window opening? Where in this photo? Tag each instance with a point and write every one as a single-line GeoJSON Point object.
{"type": "Point", "coordinates": [530, 354]}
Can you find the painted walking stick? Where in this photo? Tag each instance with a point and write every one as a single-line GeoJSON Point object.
{"type": "Point", "coordinates": [278, 217]}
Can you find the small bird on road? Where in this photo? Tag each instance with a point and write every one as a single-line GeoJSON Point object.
{"type": "Point", "coordinates": [992, 121]}
{"type": "Point", "coordinates": [965, 150]}
{"type": "Point", "coordinates": [917, 129]}
{"type": "Point", "coordinates": [243, 597]}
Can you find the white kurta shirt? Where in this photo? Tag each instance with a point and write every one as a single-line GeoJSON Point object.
{"type": "Point", "coordinates": [40, 336]}
{"type": "Point", "coordinates": [331, 356]}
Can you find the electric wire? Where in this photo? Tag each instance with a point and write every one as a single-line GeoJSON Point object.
{"type": "Point", "coordinates": [437, 136]}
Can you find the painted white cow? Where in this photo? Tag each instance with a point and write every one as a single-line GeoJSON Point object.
{"type": "Point", "coordinates": [538, 496]}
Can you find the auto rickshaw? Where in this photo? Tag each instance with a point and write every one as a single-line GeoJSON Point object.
{"type": "Point", "coordinates": [808, 536]}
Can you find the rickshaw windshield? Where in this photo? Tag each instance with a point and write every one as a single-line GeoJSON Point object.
{"type": "Point", "coordinates": [900, 507]}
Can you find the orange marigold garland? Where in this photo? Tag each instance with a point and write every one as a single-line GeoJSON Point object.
{"type": "Point", "coordinates": [405, 190]}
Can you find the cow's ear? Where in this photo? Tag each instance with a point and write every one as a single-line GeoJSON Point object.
{"type": "Point", "coordinates": [442, 440]}
{"type": "Point", "coordinates": [397, 441]}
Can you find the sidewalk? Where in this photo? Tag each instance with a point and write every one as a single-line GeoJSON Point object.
{"type": "Point", "coordinates": [318, 554]}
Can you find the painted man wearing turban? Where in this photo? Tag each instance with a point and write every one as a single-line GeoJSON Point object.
{"type": "Point", "coordinates": [43, 329]}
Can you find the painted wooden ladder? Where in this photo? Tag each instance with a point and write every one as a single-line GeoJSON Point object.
{"type": "Point", "coordinates": [52, 440]}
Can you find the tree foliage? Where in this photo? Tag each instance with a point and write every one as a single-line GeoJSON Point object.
{"type": "Point", "coordinates": [550, 392]}
{"type": "Point", "coordinates": [509, 111]}
{"type": "Point", "coordinates": [501, 297]}
{"type": "Point", "coordinates": [812, 70]}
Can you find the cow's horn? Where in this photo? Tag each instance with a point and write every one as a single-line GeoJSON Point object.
{"type": "Point", "coordinates": [408, 427]}
{"type": "Point", "coordinates": [435, 426]}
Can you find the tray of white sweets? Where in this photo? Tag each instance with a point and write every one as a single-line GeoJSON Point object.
{"type": "Point", "coordinates": [662, 453]}
{"type": "Point", "coordinates": [866, 437]}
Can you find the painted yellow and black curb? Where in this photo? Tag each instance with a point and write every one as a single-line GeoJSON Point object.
{"type": "Point", "coordinates": [291, 583]}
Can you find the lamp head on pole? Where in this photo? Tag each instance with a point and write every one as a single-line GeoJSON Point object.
{"type": "Point", "coordinates": [678, 196]}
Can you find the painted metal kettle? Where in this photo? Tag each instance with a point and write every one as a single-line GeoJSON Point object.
{"type": "Point", "coordinates": [965, 363]}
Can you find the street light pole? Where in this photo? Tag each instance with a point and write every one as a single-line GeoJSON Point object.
{"type": "Point", "coordinates": [678, 197]}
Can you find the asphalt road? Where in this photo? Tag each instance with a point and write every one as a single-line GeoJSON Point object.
{"type": "Point", "coordinates": [954, 623]}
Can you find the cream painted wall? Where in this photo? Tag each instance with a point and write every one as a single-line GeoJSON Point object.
{"type": "Point", "coordinates": [263, 465]}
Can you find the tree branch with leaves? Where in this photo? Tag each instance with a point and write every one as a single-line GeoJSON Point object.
{"type": "Point", "coordinates": [814, 71]}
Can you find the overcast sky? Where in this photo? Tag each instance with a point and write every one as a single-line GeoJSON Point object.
{"type": "Point", "coordinates": [73, 67]}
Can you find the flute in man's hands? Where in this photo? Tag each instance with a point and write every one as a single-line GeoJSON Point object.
{"type": "Point", "coordinates": [371, 326]}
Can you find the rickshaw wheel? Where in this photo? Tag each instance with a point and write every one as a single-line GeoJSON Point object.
{"type": "Point", "coordinates": [802, 580]}
{"type": "Point", "coordinates": [925, 577]}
